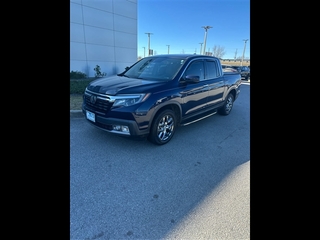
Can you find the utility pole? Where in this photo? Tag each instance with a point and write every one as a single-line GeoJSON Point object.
{"type": "Point", "coordinates": [148, 43]}
{"type": "Point", "coordinates": [205, 38]}
{"type": "Point", "coordinates": [200, 47]}
{"type": "Point", "coordinates": [168, 48]}
{"type": "Point", "coordinates": [244, 49]}
{"type": "Point", "coordinates": [144, 51]}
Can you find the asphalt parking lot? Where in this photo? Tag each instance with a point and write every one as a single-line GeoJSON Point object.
{"type": "Point", "coordinates": [195, 187]}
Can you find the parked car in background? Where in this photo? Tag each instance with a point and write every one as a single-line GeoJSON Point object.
{"type": "Point", "coordinates": [244, 71]}
{"type": "Point", "coordinates": [228, 68]}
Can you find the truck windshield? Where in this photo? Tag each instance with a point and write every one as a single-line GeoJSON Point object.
{"type": "Point", "coordinates": [157, 68]}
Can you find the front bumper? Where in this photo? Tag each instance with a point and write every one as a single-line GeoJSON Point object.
{"type": "Point", "coordinates": [107, 124]}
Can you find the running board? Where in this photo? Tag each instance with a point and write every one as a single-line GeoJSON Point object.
{"type": "Point", "coordinates": [185, 124]}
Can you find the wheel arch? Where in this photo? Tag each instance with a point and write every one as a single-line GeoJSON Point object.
{"type": "Point", "coordinates": [175, 107]}
{"type": "Point", "coordinates": [233, 92]}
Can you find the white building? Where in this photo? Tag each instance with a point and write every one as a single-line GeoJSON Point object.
{"type": "Point", "coordinates": [104, 33]}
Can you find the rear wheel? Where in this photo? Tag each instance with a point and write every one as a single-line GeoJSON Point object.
{"type": "Point", "coordinates": [227, 106]}
{"type": "Point", "coordinates": [163, 127]}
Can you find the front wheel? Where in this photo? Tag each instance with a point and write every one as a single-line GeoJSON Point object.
{"type": "Point", "coordinates": [163, 127]}
{"type": "Point", "coordinates": [227, 106]}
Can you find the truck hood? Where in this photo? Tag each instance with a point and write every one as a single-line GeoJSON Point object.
{"type": "Point", "coordinates": [115, 84]}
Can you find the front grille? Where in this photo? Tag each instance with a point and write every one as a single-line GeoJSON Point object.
{"type": "Point", "coordinates": [101, 102]}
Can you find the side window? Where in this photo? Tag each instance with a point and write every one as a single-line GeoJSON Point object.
{"type": "Point", "coordinates": [196, 69]}
{"type": "Point", "coordinates": [211, 70]}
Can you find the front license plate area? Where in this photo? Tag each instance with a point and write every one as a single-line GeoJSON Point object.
{"type": "Point", "coordinates": [91, 116]}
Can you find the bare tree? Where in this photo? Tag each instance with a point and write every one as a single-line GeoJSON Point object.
{"type": "Point", "coordinates": [218, 51]}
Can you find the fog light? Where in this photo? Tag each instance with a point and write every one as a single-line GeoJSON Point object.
{"type": "Point", "coordinates": [116, 127]}
{"type": "Point", "coordinates": [125, 129]}
{"type": "Point", "coordinates": [121, 129]}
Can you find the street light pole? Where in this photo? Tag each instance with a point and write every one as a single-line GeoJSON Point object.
{"type": "Point", "coordinates": [200, 47]}
{"type": "Point", "coordinates": [205, 38]}
{"type": "Point", "coordinates": [244, 49]}
{"type": "Point", "coordinates": [148, 43]}
{"type": "Point", "coordinates": [168, 48]}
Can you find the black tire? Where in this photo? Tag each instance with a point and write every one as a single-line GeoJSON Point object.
{"type": "Point", "coordinates": [163, 127]}
{"type": "Point", "coordinates": [227, 106]}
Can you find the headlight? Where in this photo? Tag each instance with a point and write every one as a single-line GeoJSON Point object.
{"type": "Point", "coordinates": [128, 100]}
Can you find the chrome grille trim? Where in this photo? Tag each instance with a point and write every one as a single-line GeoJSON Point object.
{"type": "Point", "coordinates": [102, 104]}
{"type": "Point", "coordinates": [99, 95]}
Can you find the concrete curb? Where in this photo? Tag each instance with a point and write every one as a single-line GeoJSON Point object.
{"type": "Point", "coordinates": [76, 113]}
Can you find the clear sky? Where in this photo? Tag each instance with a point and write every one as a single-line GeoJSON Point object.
{"type": "Point", "coordinates": [178, 23]}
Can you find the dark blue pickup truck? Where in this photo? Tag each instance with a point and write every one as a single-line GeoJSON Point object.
{"type": "Point", "coordinates": [159, 93]}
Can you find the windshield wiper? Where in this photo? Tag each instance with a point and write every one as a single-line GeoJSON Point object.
{"type": "Point", "coordinates": [122, 75]}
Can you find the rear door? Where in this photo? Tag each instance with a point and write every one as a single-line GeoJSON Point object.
{"type": "Point", "coordinates": [214, 82]}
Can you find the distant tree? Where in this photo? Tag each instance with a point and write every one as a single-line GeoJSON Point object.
{"type": "Point", "coordinates": [218, 51]}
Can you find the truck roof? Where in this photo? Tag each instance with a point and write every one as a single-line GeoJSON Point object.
{"type": "Point", "coordinates": [186, 56]}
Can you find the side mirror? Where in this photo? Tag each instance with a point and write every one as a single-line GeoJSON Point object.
{"type": "Point", "coordinates": [191, 79]}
